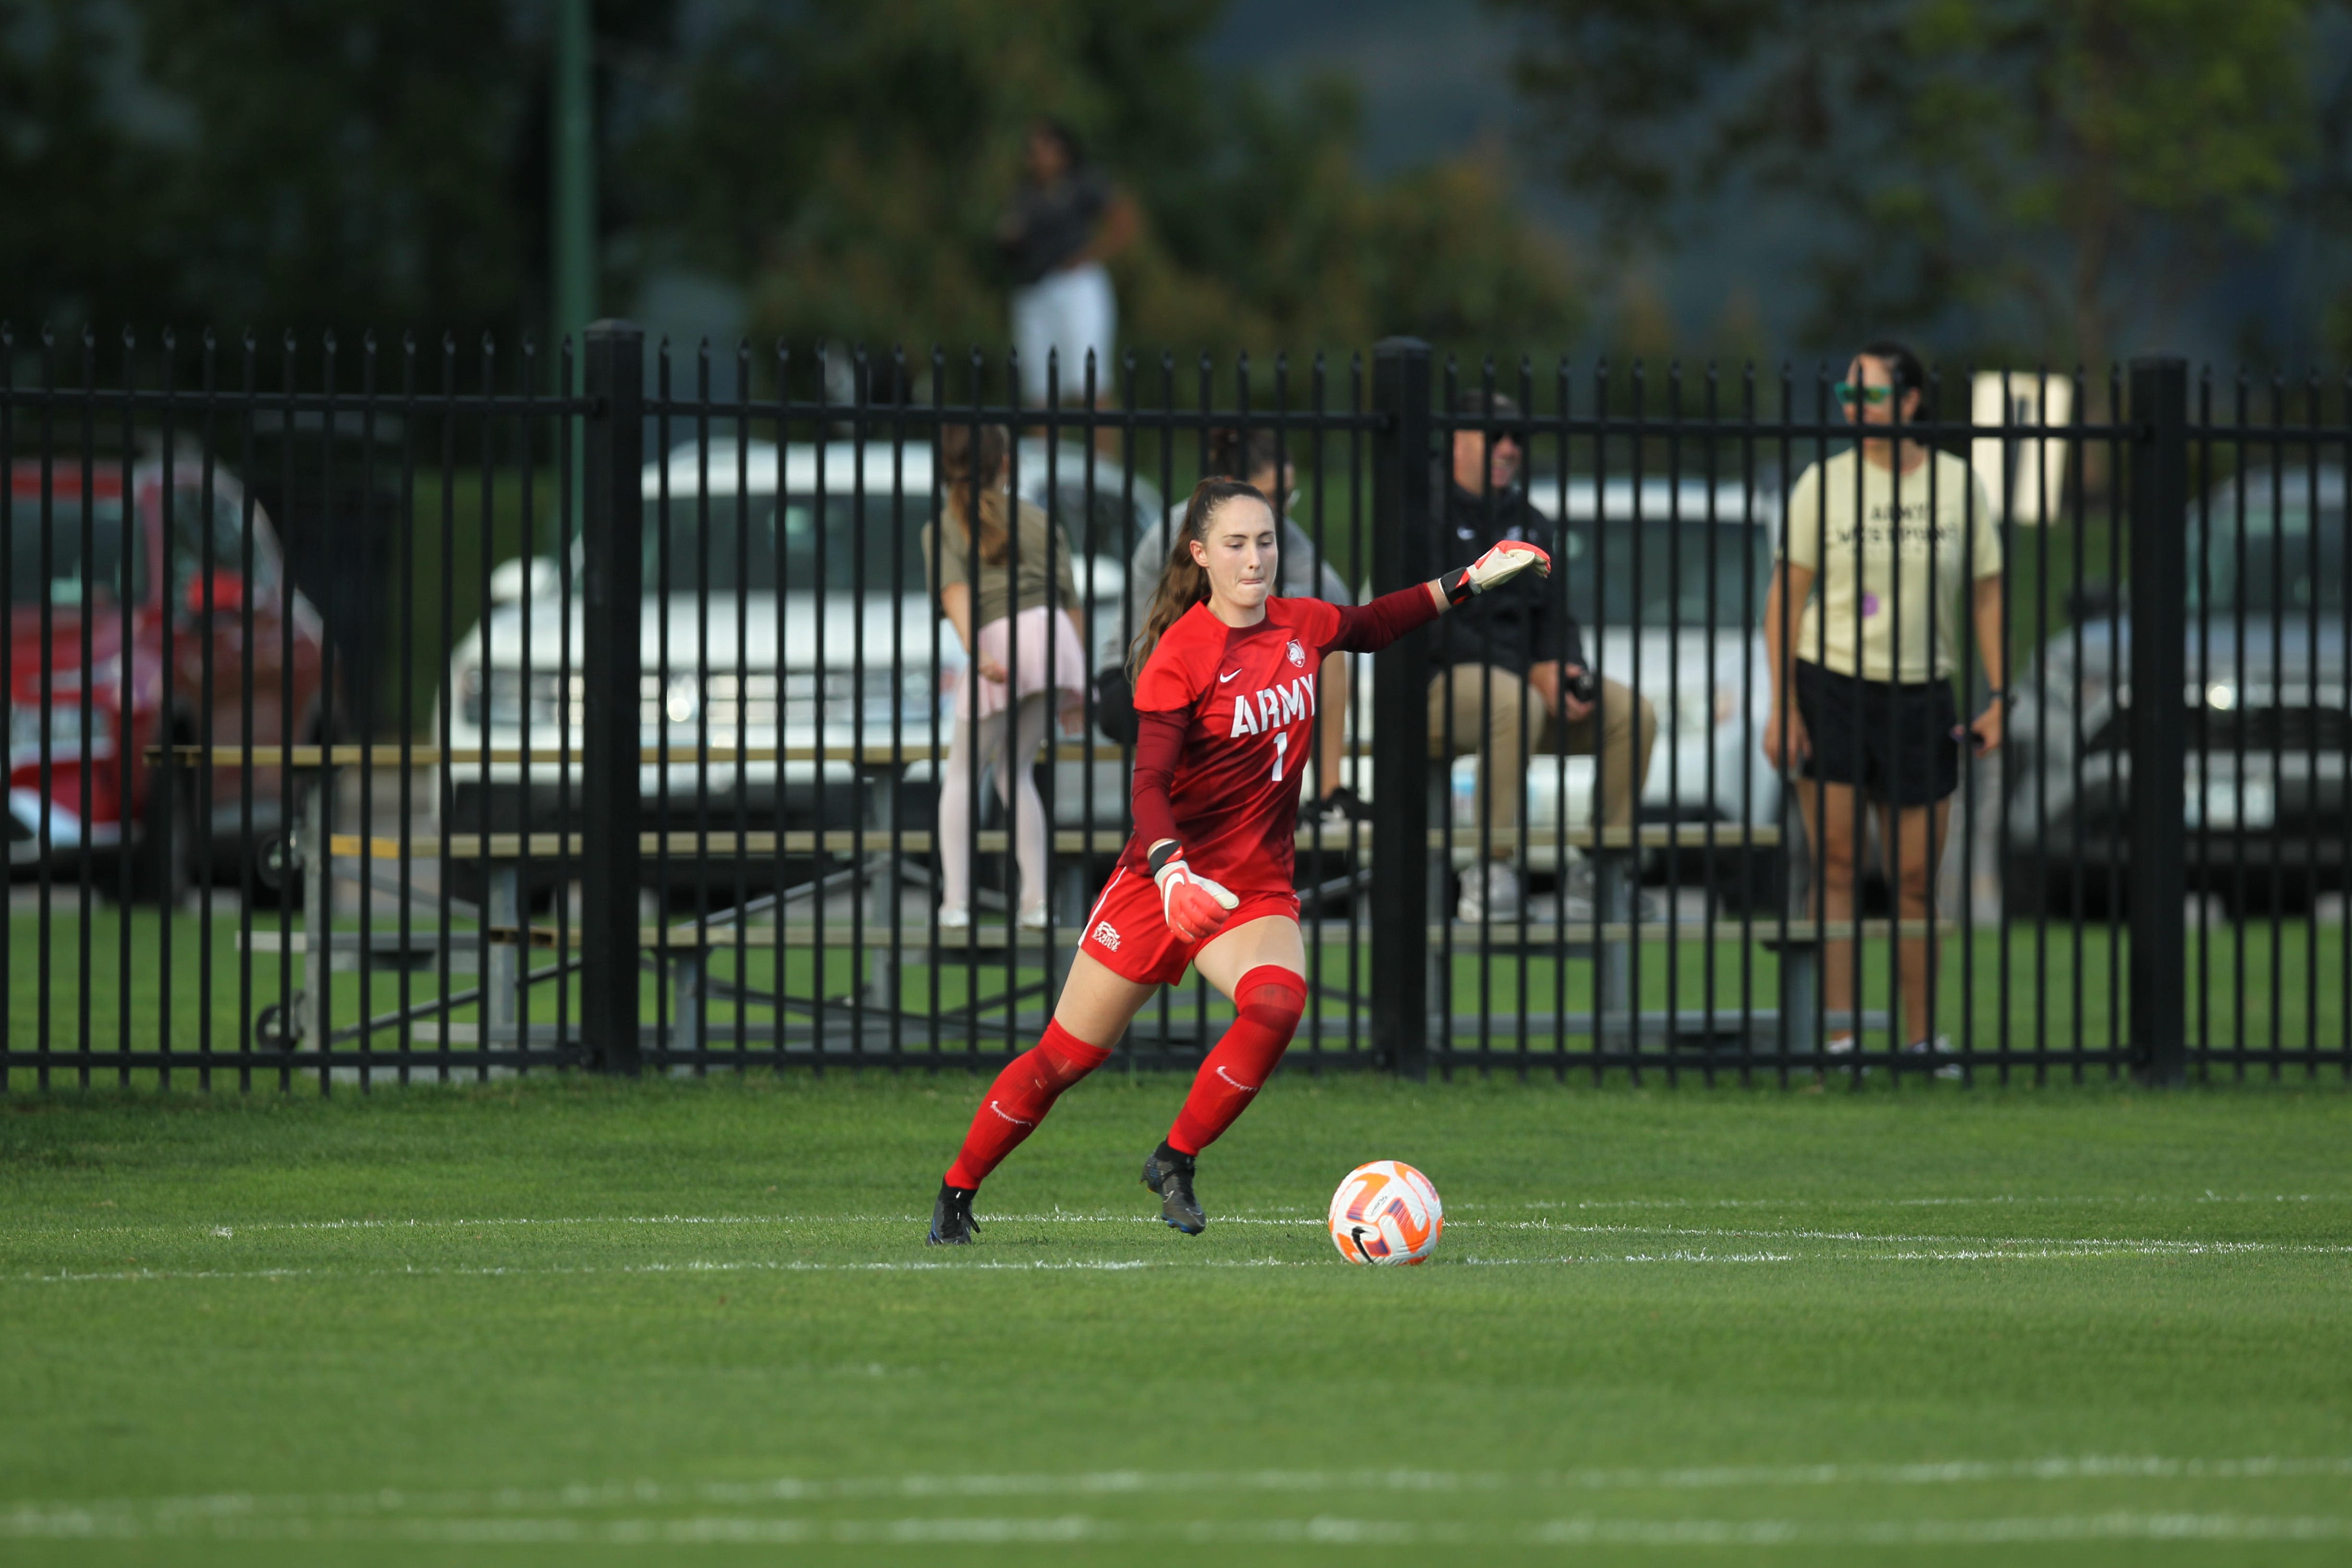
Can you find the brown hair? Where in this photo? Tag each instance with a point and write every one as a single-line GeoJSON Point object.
{"type": "Point", "coordinates": [967, 466]}
{"type": "Point", "coordinates": [1237, 455]}
{"type": "Point", "coordinates": [1184, 582]}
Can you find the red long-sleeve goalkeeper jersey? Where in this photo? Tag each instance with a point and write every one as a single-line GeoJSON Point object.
{"type": "Point", "coordinates": [1226, 721]}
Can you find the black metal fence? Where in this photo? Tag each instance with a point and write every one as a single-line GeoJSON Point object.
{"type": "Point", "coordinates": [379, 715]}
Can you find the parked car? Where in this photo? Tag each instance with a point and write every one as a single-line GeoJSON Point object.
{"type": "Point", "coordinates": [108, 698]}
{"type": "Point", "coordinates": [886, 661]}
{"type": "Point", "coordinates": [773, 619]}
{"type": "Point", "coordinates": [2270, 725]}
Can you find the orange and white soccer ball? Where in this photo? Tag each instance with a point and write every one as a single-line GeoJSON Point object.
{"type": "Point", "coordinates": [1386, 1211]}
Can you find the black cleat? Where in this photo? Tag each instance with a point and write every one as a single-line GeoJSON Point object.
{"type": "Point", "coordinates": [951, 1221]}
{"type": "Point", "coordinates": [1169, 1174]}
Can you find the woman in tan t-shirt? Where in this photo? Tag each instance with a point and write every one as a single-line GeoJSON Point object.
{"type": "Point", "coordinates": [1014, 606]}
{"type": "Point", "coordinates": [1880, 545]}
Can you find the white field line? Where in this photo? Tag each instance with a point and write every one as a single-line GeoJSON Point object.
{"type": "Point", "coordinates": [1271, 1215]}
{"type": "Point", "coordinates": [1847, 1245]}
{"type": "Point", "coordinates": [2142, 1245]}
{"type": "Point", "coordinates": [501, 1221]}
{"type": "Point", "coordinates": [794, 1265]}
{"type": "Point", "coordinates": [165, 1514]}
{"type": "Point", "coordinates": [2148, 1244]}
{"type": "Point", "coordinates": [1996, 1251]}
{"type": "Point", "coordinates": [690, 1267]}
{"type": "Point", "coordinates": [1321, 1530]}
{"type": "Point", "coordinates": [1865, 1202]}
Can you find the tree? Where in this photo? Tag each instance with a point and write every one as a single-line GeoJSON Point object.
{"type": "Point", "coordinates": [2049, 172]}
{"type": "Point", "coordinates": [280, 166]}
{"type": "Point", "coordinates": [849, 160]}
{"type": "Point", "coordinates": [66, 252]}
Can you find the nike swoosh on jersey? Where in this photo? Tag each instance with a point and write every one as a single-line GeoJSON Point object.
{"type": "Point", "coordinates": [1222, 679]}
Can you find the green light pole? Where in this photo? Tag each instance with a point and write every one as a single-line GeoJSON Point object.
{"type": "Point", "coordinates": [574, 246]}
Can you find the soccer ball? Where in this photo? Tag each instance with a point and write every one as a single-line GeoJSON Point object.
{"type": "Point", "coordinates": [1386, 1211]}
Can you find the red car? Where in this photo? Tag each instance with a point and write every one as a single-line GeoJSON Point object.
{"type": "Point", "coordinates": [215, 599]}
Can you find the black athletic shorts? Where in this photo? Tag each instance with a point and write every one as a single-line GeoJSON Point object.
{"type": "Point", "coordinates": [1892, 742]}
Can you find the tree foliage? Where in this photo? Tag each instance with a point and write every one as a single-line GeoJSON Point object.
{"type": "Point", "coordinates": [273, 163]}
{"type": "Point", "coordinates": [2048, 171]}
{"type": "Point", "coordinates": [279, 163]}
{"type": "Point", "coordinates": [851, 158]}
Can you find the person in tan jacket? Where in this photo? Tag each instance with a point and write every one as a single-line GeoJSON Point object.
{"type": "Point", "coordinates": [1006, 586]}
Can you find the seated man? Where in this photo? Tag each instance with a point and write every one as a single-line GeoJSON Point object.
{"type": "Point", "coordinates": [1507, 663]}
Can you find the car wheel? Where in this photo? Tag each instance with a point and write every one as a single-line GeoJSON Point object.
{"type": "Point", "coordinates": [273, 859]}
{"type": "Point", "coordinates": [2026, 886]}
{"type": "Point", "coordinates": [2035, 889]}
{"type": "Point", "coordinates": [162, 861]}
{"type": "Point", "coordinates": [2262, 892]}
{"type": "Point", "coordinates": [1744, 880]}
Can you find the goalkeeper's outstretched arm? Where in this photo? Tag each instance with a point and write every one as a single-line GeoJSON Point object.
{"type": "Point", "coordinates": [1367, 628]}
{"type": "Point", "coordinates": [1195, 905]}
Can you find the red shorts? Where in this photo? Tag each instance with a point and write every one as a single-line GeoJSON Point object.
{"type": "Point", "coordinates": [1128, 930]}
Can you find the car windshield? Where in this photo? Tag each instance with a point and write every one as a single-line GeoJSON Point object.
{"type": "Point", "coordinates": [860, 550]}
{"type": "Point", "coordinates": [70, 579]}
{"type": "Point", "coordinates": [2272, 565]}
{"type": "Point", "coordinates": [1672, 582]}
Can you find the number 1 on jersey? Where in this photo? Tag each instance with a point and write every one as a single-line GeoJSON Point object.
{"type": "Point", "coordinates": [1281, 744]}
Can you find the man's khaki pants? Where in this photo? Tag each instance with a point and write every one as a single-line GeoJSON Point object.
{"type": "Point", "coordinates": [1501, 717]}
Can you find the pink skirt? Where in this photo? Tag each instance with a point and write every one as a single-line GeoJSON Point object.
{"type": "Point", "coordinates": [1036, 630]}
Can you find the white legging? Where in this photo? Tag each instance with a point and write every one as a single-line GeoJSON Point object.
{"type": "Point", "coordinates": [1016, 786]}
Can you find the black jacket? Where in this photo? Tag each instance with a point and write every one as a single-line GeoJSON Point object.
{"type": "Point", "coordinates": [1521, 624]}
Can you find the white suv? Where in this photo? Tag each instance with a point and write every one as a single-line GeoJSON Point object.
{"type": "Point", "coordinates": [770, 621]}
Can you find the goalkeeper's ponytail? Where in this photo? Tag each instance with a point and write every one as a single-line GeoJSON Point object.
{"type": "Point", "coordinates": [1184, 582]}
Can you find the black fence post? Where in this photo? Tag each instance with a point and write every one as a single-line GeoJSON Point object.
{"type": "Point", "coordinates": [1403, 555]}
{"type": "Point", "coordinates": [2160, 635]}
{"type": "Point", "coordinates": [612, 523]}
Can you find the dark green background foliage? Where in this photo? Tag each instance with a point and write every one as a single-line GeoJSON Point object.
{"type": "Point", "coordinates": [274, 164]}
{"type": "Point", "coordinates": [2047, 172]}
{"type": "Point", "coordinates": [301, 165]}
{"type": "Point", "coordinates": [2005, 180]}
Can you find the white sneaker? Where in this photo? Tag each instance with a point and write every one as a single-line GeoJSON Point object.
{"type": "Point", "coordinates": [955, 917]}
{"type": "Point", "coordinates": [1839, 1045]}
{"type": "Point", "coordinates": [1943, 1047]}
{"type": "Point", "coordinates": [1034, 918]}
{"type": "Point", "coordinates": [1490, 892]}
{"type": "Point", "coordinates": [1578, 900]}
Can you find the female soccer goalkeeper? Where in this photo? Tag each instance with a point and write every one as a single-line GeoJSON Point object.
{"type": "Point", "coordinates": [1225, 701]}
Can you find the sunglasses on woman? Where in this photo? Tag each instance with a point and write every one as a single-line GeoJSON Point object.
{"type": "Point", "coordinates": [1847, 392]}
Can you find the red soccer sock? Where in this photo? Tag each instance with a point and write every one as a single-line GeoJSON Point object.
{"type": "Point", "coordinates": [1019, 1100]}
{"type": "Point", "coordinates": [1271, 998]}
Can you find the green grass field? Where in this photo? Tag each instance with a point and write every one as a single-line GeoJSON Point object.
{"type": "Point", "coordinates": [673, 1320]}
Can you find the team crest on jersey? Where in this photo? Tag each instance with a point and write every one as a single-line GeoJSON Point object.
{"type": "Point", "coordinates": [1297, 654]}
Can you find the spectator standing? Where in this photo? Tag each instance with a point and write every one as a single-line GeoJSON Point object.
{"type": "Point", "coordinates": [1881, 542]}
{"type": "Point", "coordinates": [1065, 222]}
{"type": "Point", "coordinates": [1002, 574]}
{"type": "Point", "coordinates": [1510, 664]}
{"type": "Point", "coordinates": [1305, 572]}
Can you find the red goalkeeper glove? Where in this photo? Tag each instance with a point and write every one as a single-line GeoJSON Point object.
{"type": "Point", "coordinates": [1196, 908]}
{"type": "Point", "coordinates": [1494, 569]}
